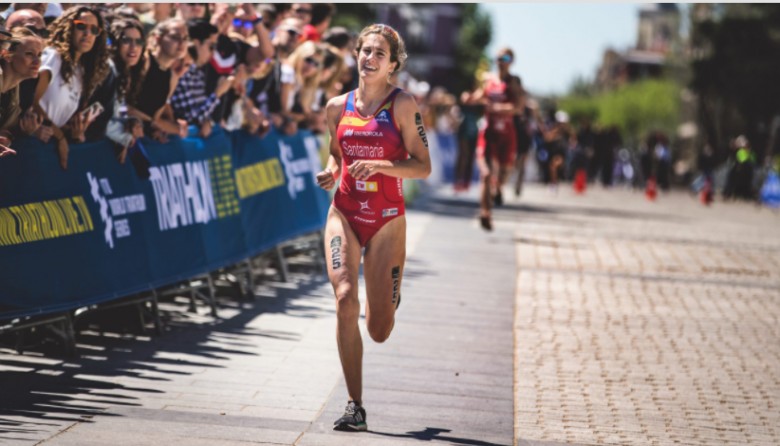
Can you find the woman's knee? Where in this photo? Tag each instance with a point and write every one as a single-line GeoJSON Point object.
{"type": "Point", "coordinates": [347, 303]}
{"type": "Point", "coordinates": [380, 330]}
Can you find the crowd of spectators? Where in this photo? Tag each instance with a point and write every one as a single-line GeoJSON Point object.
{"type": "Point", "coordinates": [81, 72]}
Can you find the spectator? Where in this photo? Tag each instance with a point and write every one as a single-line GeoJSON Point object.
{"type": "Point", "coordinates": [342, 39]}
{"type": "Point", "coordinates": [191, 100]}
{"type": "Point", "coordinates": [22, 62]}
{"type": "Point", "coordinates": [128, 62]}
{"type": "Point", "coordinates": [191, 11]}
{"type": "Point", "coordinates": [73, 66]}
{"type": "Point", "coordinates": [302, 11]}
{"type": "Point", "coordinates": [158, 13]}
{"type": "Point", "coordinates": [166, 45]}
{"type": "Point", "coordinates": [321, 14]}
{"type": "Point", "coordinates": [301, 74]}
{"type": "Point", "coordinates": [286, 37]}
{"type": "Point", "coordinates": [32, 20]}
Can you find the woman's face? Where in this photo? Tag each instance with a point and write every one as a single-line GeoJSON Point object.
{"type": "Point", "coordinates": [311, 65]}
{"type": "Point", "coordinates": [131, 46]}
{"type": "Point", "coordinates": [374, 58]}
{"type": "Point", "coordinates": [174, 41]}
{"type": "Point", "coordinates": [86, 29]}
{"type": "Point", "coordinates": [26, 60]}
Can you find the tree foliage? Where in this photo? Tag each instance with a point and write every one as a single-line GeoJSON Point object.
{"type": "Point", "coordinates": [635, 108]}
{"type": "Point", "coordinates": [475, 35]}
{"type": "Point", "coordinates": [737, 79]}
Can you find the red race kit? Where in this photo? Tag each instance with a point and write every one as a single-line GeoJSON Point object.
{"type": "Point", "coordinates": [368, 205]}
{"type": "Point", "coordinates": [498, 140]}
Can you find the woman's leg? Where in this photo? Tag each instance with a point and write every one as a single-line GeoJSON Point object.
{"type": "Point", "coordinates": [342, 254]}
{"type": "Point", "coordinates": [383, 268]}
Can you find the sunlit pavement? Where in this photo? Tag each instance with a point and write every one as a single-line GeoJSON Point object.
{"type": "Point", "coordinates": [594, 319]}
{"type": "Point", "coordinates": [644, 322]}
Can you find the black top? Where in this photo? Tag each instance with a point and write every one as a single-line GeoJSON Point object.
{"type": "Point", "coordinates": [156, 87]}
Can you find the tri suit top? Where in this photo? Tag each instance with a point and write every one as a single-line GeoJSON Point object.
{"type": "Point", "coordinates": [498, 140]}
{"type": "Point", "coordinates": [369, 204]}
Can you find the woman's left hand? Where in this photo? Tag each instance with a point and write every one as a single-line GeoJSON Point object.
{"type": "Point", "coordinates": [30, 121]}
{"type": "Point", "coordinates": [364, 169]}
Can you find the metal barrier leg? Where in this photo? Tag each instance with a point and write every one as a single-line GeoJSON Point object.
{"type": "Point", "coordinates": [283, 271]}
{"type": "Point", "coordinates": [250, 278]}
{"type": "Point", "coordinates": [158, 329]}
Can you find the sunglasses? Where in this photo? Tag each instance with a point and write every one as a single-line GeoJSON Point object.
{"type": "Point", "coordinates": [83, 26]}
{"type": "Point", "coordinates": [176, 37]}
{"type": "Point", "coordinates": [312, 61]}
{"type": "Point", "coordinates": [248, 24]}
{"type": "Point", "coordinates": [505, 58]}
{"type": "Point", "coordinates": [302, 11]}
{"type": "Point", "coordinates": [127, 40]}
{"type": "Point", "coordinates": [40, 32]}
{"type": "Point", "coordinates": [293, 33]}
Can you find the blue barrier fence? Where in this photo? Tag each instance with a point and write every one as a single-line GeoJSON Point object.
{"type": "Point", "coordinates": [99, 231]}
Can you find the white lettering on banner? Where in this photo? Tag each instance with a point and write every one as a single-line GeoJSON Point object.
{"type": "Point", "coordinates": [114, 207]}
{"type": "Point", "coordinates": [122, 228]}
{"type": "Point", "coordinates": [183, 194]}
{"type": "Point", "coordinates": [296, 169]}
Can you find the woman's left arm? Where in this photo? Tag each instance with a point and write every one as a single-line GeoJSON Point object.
{"type": "Point", "coordinates": [418, 165]}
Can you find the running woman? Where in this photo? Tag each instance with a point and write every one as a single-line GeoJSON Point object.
{"type": "Point", "coordinates": [377, 139]}
{"type": "Point", "coordinates": [503, 97]}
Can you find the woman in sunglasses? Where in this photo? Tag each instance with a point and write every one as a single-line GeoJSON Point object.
{"type": "Point", "coordinates": [128, 64]}
{"type": "Point", "coordinates": [377, 139]}
{"type": "Point", "coordinates": [74, 64]}
{"type": "Point", "coordinates": [300, 78]}
{"type": "Point", "coordinates": [22, 62]}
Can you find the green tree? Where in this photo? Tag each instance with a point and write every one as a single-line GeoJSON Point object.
{"type": "Point", "coordinates": [736, 73]}
{"type": "Point", "coordinates": [635, 108]}
{"type": "Point", "coordinates": [475, 35]}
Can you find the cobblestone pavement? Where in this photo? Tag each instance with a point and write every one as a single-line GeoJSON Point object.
{"type": "Point", "coordinates": [645, 323]}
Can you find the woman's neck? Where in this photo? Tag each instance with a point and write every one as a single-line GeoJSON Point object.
{"type": "Point", "coordinates": [163, 61]}
{"type": "Point", "coordinates": [370, 93]}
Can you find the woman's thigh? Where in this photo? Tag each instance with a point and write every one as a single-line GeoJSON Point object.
{"type": "Point", "coordinates": [342, 255]}
{"type": "Point", "coordinates": [383, 267]}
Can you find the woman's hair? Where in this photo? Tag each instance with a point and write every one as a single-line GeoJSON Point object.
{"type": "Point", "coordinates": [95, 62]}
{"type": "Point", "coordinates": [335, 62]}
{"type": "Point", "coordinates": [129, 80]}
{"type": "Point", "coordinates": [17, 35]}
{"type": "Point", "coordinates": [160, 30]}
{"type": "Point", "coordinates": [309, 85]}
{"type": "Point", "coordinates": [397, 45]}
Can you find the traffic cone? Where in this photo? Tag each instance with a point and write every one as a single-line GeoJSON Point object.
{"type": "Point", "coordinates": [580, 181]}
{"type": "Point", "coordinates": [650, 189]}
{"type": "Point", "coordinates": [706, 193]}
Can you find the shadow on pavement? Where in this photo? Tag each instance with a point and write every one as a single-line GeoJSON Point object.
{"type": "Point", "coordinates": [41, 392]}
{"type": "Point", "coordinates": [434, 434]}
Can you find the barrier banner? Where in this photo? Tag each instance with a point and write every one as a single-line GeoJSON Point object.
{"type": "Point", "coordinates": [101, 230]}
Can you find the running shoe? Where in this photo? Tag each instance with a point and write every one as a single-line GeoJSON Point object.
{"type": "Point", "coordinates": [498, 199]}
{"type": "Point", "coordinates": [353, 420]}
{"type": "Point", "coordinates": [486, 223]}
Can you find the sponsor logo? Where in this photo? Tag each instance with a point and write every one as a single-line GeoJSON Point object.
{"type": "Point", "coordinates": [364, 220]}
{"type": "Point", "coordinates": [365, 208]}
{"type": "Point", "coordinates": [259, 177]}
{"type": "Point", "coordinates": [367, 186]}
{"type": "Point", "coordinates": [392, 212]}
{"type": "Point", "coordinates": [115, 207]}
{"type": "Point", "coordinates": [383, 116]}
{"type": "Point", "coordinates": [353, 132]}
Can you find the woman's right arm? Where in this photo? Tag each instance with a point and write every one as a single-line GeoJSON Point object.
{"type": "Point", "coordinates": [327, 178]}
{"type": "Point", "coordinates": [44, 132]}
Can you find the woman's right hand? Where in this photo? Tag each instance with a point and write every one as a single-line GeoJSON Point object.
{"type": "Point", "coordinates": [326, 179]}
{"type": "Point", "coordinates": [44, 133]}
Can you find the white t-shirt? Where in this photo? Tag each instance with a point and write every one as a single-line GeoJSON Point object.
{"type": "Point", "coordinates": [61, 99]}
